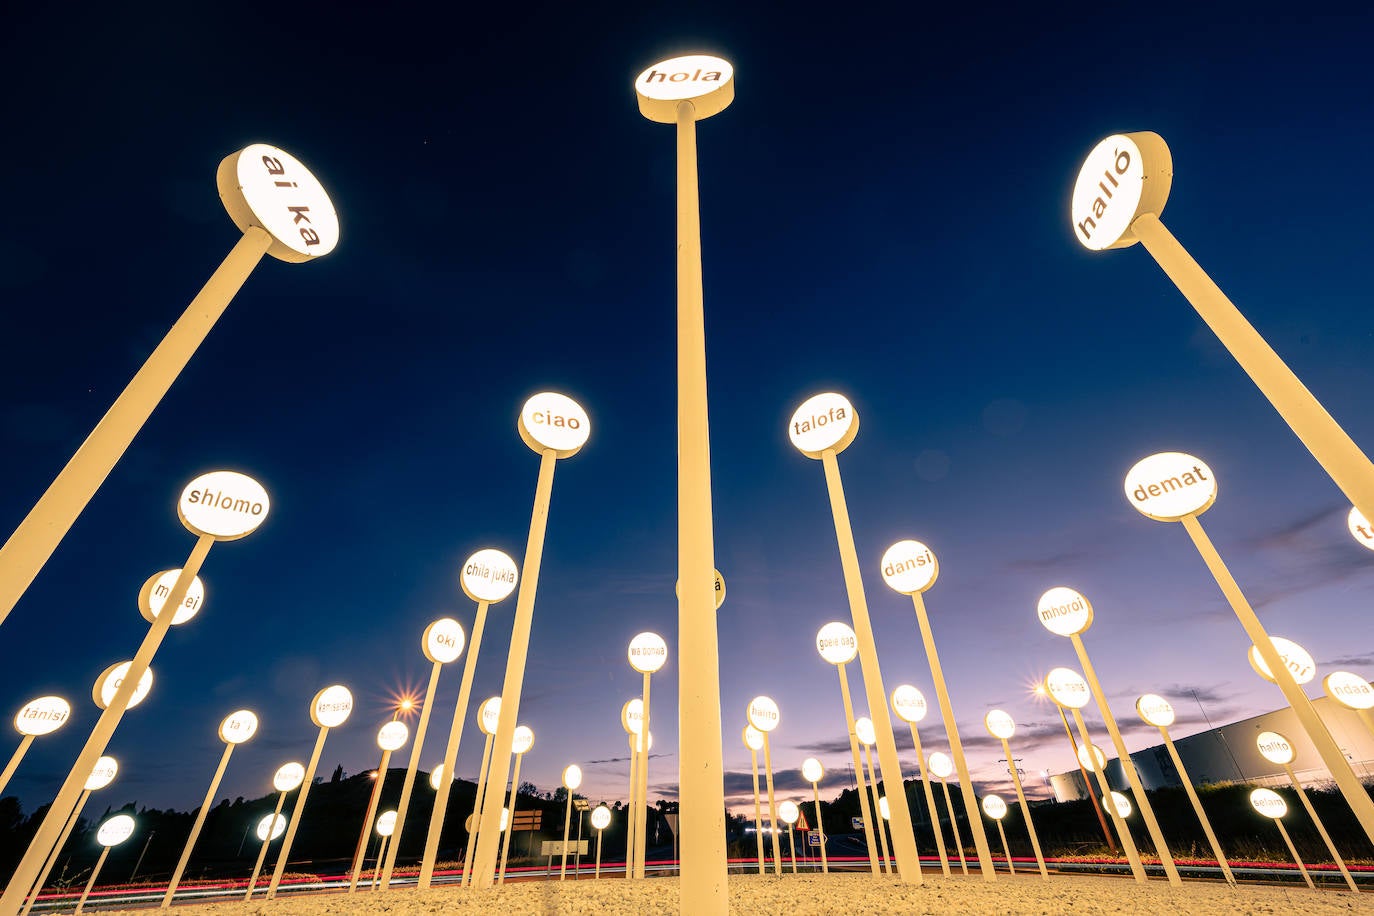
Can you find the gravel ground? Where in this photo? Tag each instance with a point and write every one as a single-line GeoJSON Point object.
{"type": "Point", "coordinates": [852, 895]}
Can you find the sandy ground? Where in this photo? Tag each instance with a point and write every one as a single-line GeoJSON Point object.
{"type": "Point", "coordinates": [852, 895]}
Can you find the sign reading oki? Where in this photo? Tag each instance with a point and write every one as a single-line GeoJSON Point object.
{"type": "Point", "coordinates": [42, 716]}
{"type": "Point", "coordinates": [443, 640]}
{"type": "Point", "coordinates": [824, 422]}
{"type": "Point", "coordinates": [331, 706]}
{"type": "Point", "coordinates": [1170, 486]}
{"type": "Point", "coordinates": [648, 653]}
{"type": "Point", "coordinates": [153, 595]}
{"type": "Point", "coordinates": [488, 575]}
{"type": "Point", "coordinates": [1064, 611]}
{"type": "Point", "coordinates": [837, 643]}
{"type": "Point", "coordinates": [1124, 176]}
{"type": "Point", "coordinates": [224, 505]}
{"type": "Point", "coordinates": [238, 727]}
{"type": "Point", "coordinates": [909, 567]}
{"type": "Point", "coordinates": [763, 714]}
{"type": "Point", "coordinates": [267, 187]}
{"type": "Point", "coordinates": [550, 420]}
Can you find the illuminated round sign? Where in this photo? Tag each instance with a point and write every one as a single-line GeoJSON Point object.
{"type": "Point", "coordinates": [572, 776]}
{"type": "Point", "coordinates": [601, 817]}
{"type": "Point", "coordinates": [443, 641]}
{"type": "Point", "coordinates": [238, 726]}
{"type": "Point", "coordinates": [554, 421]}
{"type": "Point", "coordinates": [1269, 803]}
{"type": "Point", "coordinates": [637, 743]}
{"type": "Point", "coordinates": [1295, 658]}
{"type": "Point", "coordinates": [1092, 758]}
{"type": "Point", "coordinates": [1155, 710]}
{"type": "Point", "coordinates": [909, 704]}
{"type": "Point", "coordinates": [762, 714]}
{"type": "Point", "coordinates": [884, 809]}
{"type": "Point", "coordinates": [837, 643]}
{"type": "Point", "coordinates": [823, 422]}
{"type": "Point", "coordinates": [648, 653]}
{"type": "Point", "coordinates": [1360, 529]}
{"type": "Point", "coordinates": [267, 187]}
{"type": "Point", "coordinates": [115, 831]}
{"type": "Point", "coordinates": [505, 820]}
{"type": "Point", "coordinates": [705, 81]}
{"type": "Point", "coordinates": [1275, 748]}
{"type": "Point", "coordinates": [436, 776]}
{"type": "Point", "coordinates": [1000, 724]}
{"type": "Point", "coordinates": [386, 823]}
{"type": "Point", "coordinates": [788, 812]}
{"type": "Point", "coordinates": [865, 732]}
{"type": "Point", "coordinates": [1067, 688]}
{"type": "Point", "coordinates": [102, 774]}
{"type": "Point", "coordinates": [489, 716]}
{"type": "Point", "coordinates": [1124, 176]}
{"type": "Point", "coordinates": [522, 740]}
{"type": "Point", "coordinates": [224, 505]}
{"type": "Point", "coordinates": [273, 826]}
{"type": "Point", "coordinates": [393, 736]}
{"type": "Point", "coordinates": [42, 716]}
{"type": "Point", "coordinates": [719, 586]}
{"type": "Point", "coordinates": [331, 706]}
{"type": "Point", "coordinates": [994, 807]}
{"type": "Point", "coordinates": [909, 567]}
{"type": "Point", "coordinates": [154, 593]}
{"type": "Point", "coordinates": [1350, 690]}
{"type": "Point", "coordinates": [632, 716]}
{"type": "Point", "coordinates": [1122, 804]}
{"type": "Point", "coordinates": [488, 575]}
{"type": "Point", "coordinates": [1171, 486]}
{"type": "Point", "coordinates": [288, 777]}
{"type": "Point", "coordinates": [753, 738]}
{"type": "Point", "coordinates": [940, 764]}
{"type": "Point", "coordinates": [1064, 611]}
{"type": "Point", "coordinates": [811, 770]}
{"type": "Point", "coordinates": [112, 678]}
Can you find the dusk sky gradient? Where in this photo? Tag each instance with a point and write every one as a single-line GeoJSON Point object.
{"type": "Point", "coordinates": [884, 214]}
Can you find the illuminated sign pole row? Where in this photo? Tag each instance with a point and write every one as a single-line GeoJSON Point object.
{"type": "Point", "coordinates": [1277, 749]}
{"type": "Point", "coordinates": [1082, 770]}
{"type": "Point", "coordinates": [910, 706]}
{"type": "Point", "coordinates": [1271, 805]}
{"type": "Point", "coordinates": [647, 653]}
{"type": "Point", "coordinates": [762, 713]}
{"type": "Point", "coordinates": [838, 645]}
{"type": "Point", "coordinates": [287, 778]}
{"type": "Point", "coordinates": [101, 776]}
{"type": "Point", "coordinates": [632, 718]}
{"type": "Point", "coordinates": [789, 812]}
{"type": "Point", "coordinates": [41, 716]}
{"type": "Point", "coordinates": [942, 768]}
{"type": "Point", "coordinates": [554, 427]}
{"type": "Point", "coordinates": [390, 737]}
{"type": "Point", "coordinates": [219, 506]}
{"type": "Point", "coordinates": [1002, 726]}
{"type": "Point", "coordinates": [995, 808]}
{"type": "Point", "coordinates": [386, 829]}
{"type": "Point", "coordinates": [488, 720]}
{"type": "Point", "coordinates": [601, 819]}
{"type": "Point", "coordinates": [111, 833]}
{"type": "Point", "coordinates": [753, 739]}
{"type": "Point", "coordinates": [863, 729]}
{"type": "Point", "coordinates": [813, 772]}
{"type": "Point", "coordinates": [283, 211]}
{"type": "Point", "coordinates": [572, 778]}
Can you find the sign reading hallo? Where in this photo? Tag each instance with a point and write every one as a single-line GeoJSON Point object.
{"type": "Point", "coordinates": [112, 678]}
{"type": "Point", "coordinates": [153, 595]}
{"type": "Point", "coordinates": [1067, 688]}
{"type": "Point", "coordinates": [550, 420]}
{"type": "Point", "coordinates": [42, 716]}
{"type": "Point", "coordinates": [909, 567]}
{"type": "Point", "coordinates": [267, 187]}
{"type": "Point", "coordinates": [238, 727]}
{"type": "Point", "coordinates": [825, 422]}
{"type": "Point", "coordinates": [707, 82]}
{"type": "Point", "coordinates": [489, 716]}
{"type": "Point", "coordinates": [648, 653]}
{"type": "Point", "coordinates": [763, 714]}
{"type": "Point", "coordinates": [1171, 486]}
{"type": "Point", "coordinates": [443, 640]}
{"type": "Point", "coordinates": [331, 706]}
{"type": "Point", "coordinates": [1124, 176]}
{"type": "Point", "coordinates": [488, 575]}
{"type": "Point", "coordinates": [1064, 611]}
{"type": "Point", "coordinates": [224, 505]}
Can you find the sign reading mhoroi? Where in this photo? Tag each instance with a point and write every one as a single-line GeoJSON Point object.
{"type": "Point", "coordinates": [707, 82]}
{"type": "Point", "coordinates": [102, 774]}
{"type": "Point", "coordinates": [825, 422]}
{"type": "Point", "coordinates": [550, 420]}
{"type": "Point", "coordinates": [267, 187]}
{"type": "Point", "coordinates": [224, 505]}
{"type": "Point", "coordinates": [488, 575]}
{"type": "Point", "coordinates": [42, 716]}
{"type": "Point", "coordinates": [762, 714]}
{"type": "Point", "coordinates": [154, 593]}
{"type": "Point", "coordinates": [648, 653]}
{"type": "Point", "coordinates": [1350, 690]}
{"type": "Point", "coordinates": [393, 736]}
{"type": "Point", "coordinates": [1000, 724]}
{"type": "Point", "coordinates": [1064, 611]}
{"type": "Point", "coordinates": [238, 727]}
{"type": "Point", "coordinates": [1170, 486]}
{"type": "Point", "coordinates": [443, 641]}
{"type": "Point", "coordinates": [1269, 803]}
{"type": "Point", "coordinates": [273, 825]}
{"type": "Point", "coordinates": [115, 831]}
{"type": "Point", "coordinates": [1124, 176]}
{"type": "Point", "coordinates": [288, 777]}
{"type": "Point", "coordinates": [112, 678]}
{"type": "Point", "coordinates": [1360, 529]}
{"type": "Point", "coordinates": [1155, 710]}
{"type": "Point", "coordinates": [1067, 688]}
{"type": "Point", "coordinates": [909, 704]}
{"type": "Point", "coordinates": [331, 706]}
{"type": "Point", "coordinates": [837, 643]}
{"type": "Point", "coordinates": [1295, 658]}
{"type": "Point", "coordinates": [909, 567]}
{"type": "Point", "coordinates": [1275, 747]}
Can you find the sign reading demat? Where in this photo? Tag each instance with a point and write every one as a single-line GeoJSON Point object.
{"type": "Point", "coordinates": [267, 187]}
{"type": "Point", "coordinates": [224, 505]}
{"type": "Point", "coordinates": [1170, 486]}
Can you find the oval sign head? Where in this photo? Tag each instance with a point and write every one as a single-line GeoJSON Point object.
{"type": "Point", "coordinates": [554, 421]}
{"type": "Point", "coordinates": [238, 726]}
{"type": "Point", "coordinates": [488, 575]}
{"type": "Point", "coordinates": [224, 505]}
{"type": "Point", "coordinates": [393, 736]}
{"type": "Point", "coordinates": [601, 817]}
{"type": "Point", "coordinates": [1124, 176]}
{"type": "Point", "coordinates": [1067, 688]}
{"type": "Point", "coordinates": [1275, 748]}
{"type": "Point", "coordinates": [288, 777]}
{"type": "Point", "coordinates": [837, 643]}
{"type": "Point", "coordinates": [267, 187]}
{"type": "Point", "coordinates": [1350, 690]}
{"type": "Point", "coordinates": [994, 807]}
{"type": "Point", "coordinates": [42, 716]}
{"type": "Point", "coordinates": [648, 653]}
{"type": "Point", "coordinates": [884, 809]}
{"type": "Point", "coordinates": [940, 765]}
{"type": "Point", "coordinates": [788, 812]}
{"type": "Point", "coordinates": [632, 716]}
{"type": "Point", "coordinates": [1269, 803]}
{"type": "Point", "coordinates": [523, 739]}
{"type": "Point", "coordinates": [1295, 658]}
{"type": "Point", "coordinates": [102, 774]}
{"type": "Point", "coordinates": [489, 716]}
{"type": "Point", "coordinates": [572, 777]}
{"type": "Point", "coordinates": [115, 831]}
{"type": "Point", "coordinates": [1359, 528]}
{"type": "Point", "coordinates": [865, 732]}
{"type": "Point", "coordinates": [753, 738]}
{"type": "Point", "coordinates": [331, 706]}
{"type": "Point", "coordinates": [154, 593]}
{"type": "Point", "coordinates": [909, 567]}
{"type": "Point", "coordinates": [719, 586]}
{"type": "Point", "coordinates": [637, 742]}
{"type": "Point", "coordinates": [112, 678]}
{"type": "Point", "coordinates": [762, 714]}
{"type": "Point", "coordinates": [1122, 804]}
{"type": "Point", "coordinates": [1155, 710]}
{"type": "Point", "coordinates": [1171, 486]}
{"type": "Point", "coordinates": [443, 641]}
{"type": "Point", "coordinates": [1092, 758]}
{"type": "Point", "coordinates": [1000, 724]}
{"type": "Point", "coordinates": [708, 83]}
{"type": "Point", "coordinates": [812, 771]}
{"type": "Point", "coordinates": [386, 823]}
{"type": "Point", "coordinates": [909, 704]}
{"type": "Point", "coordinates": [826, 422]}
{"type": "Point", "coordinates": [1064, 611]}
{"type": "Point", "coordinates": [436, 776]}
{"type": "Point", "coordinates": [273, 826]}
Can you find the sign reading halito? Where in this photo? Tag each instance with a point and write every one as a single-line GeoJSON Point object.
{"type": "Point", "coordinates": [1124, 176]}
{"type": "Point", "coordinates": [267, 187]}
{"type": "Point", "coordinates": [825, 422]}
{"type": "Point", "coordinates": [1171, 486]}
{"type": "Point", "coordinates": [707, 82]}
{"type": "Point", "coordinates": [224, 505]}
{"type": "Point", "coordinates": [554, 421]}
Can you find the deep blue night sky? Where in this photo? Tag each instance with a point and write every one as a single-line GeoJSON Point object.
{"type": "Point", "coordinates": [884, 212]}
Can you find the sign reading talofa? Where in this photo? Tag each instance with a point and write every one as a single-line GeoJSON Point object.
{"type": "Point", "coordinates": [153, 595]}
{"type": "Point", "coordinates": [1124, 176]}
{"type": "Point", "coordinates": [825, 421]}
{"type": "Point", "coordinates": [238, 727]}
{"type": "Point", "coordinates": [1170, 486]}
{"type": "Point", "coordinates": [1064, 611]}
{"type": "Point", "coordinates": [224, 505]}
{"type": "Point", "coordinates": [909, 567]}
{"type": "Point", "coordinates": [42, 716]}
{"type": "Point", "coordinates": [708, 82]}
{"type": "Point", "coordinates": [331, 706]}
{"type": "Point", "coordinates": [489, 575]}
{"type": "Point", "coordinates": [555, 421]}
{"type": "Point", "coordinates": [264, 186]}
